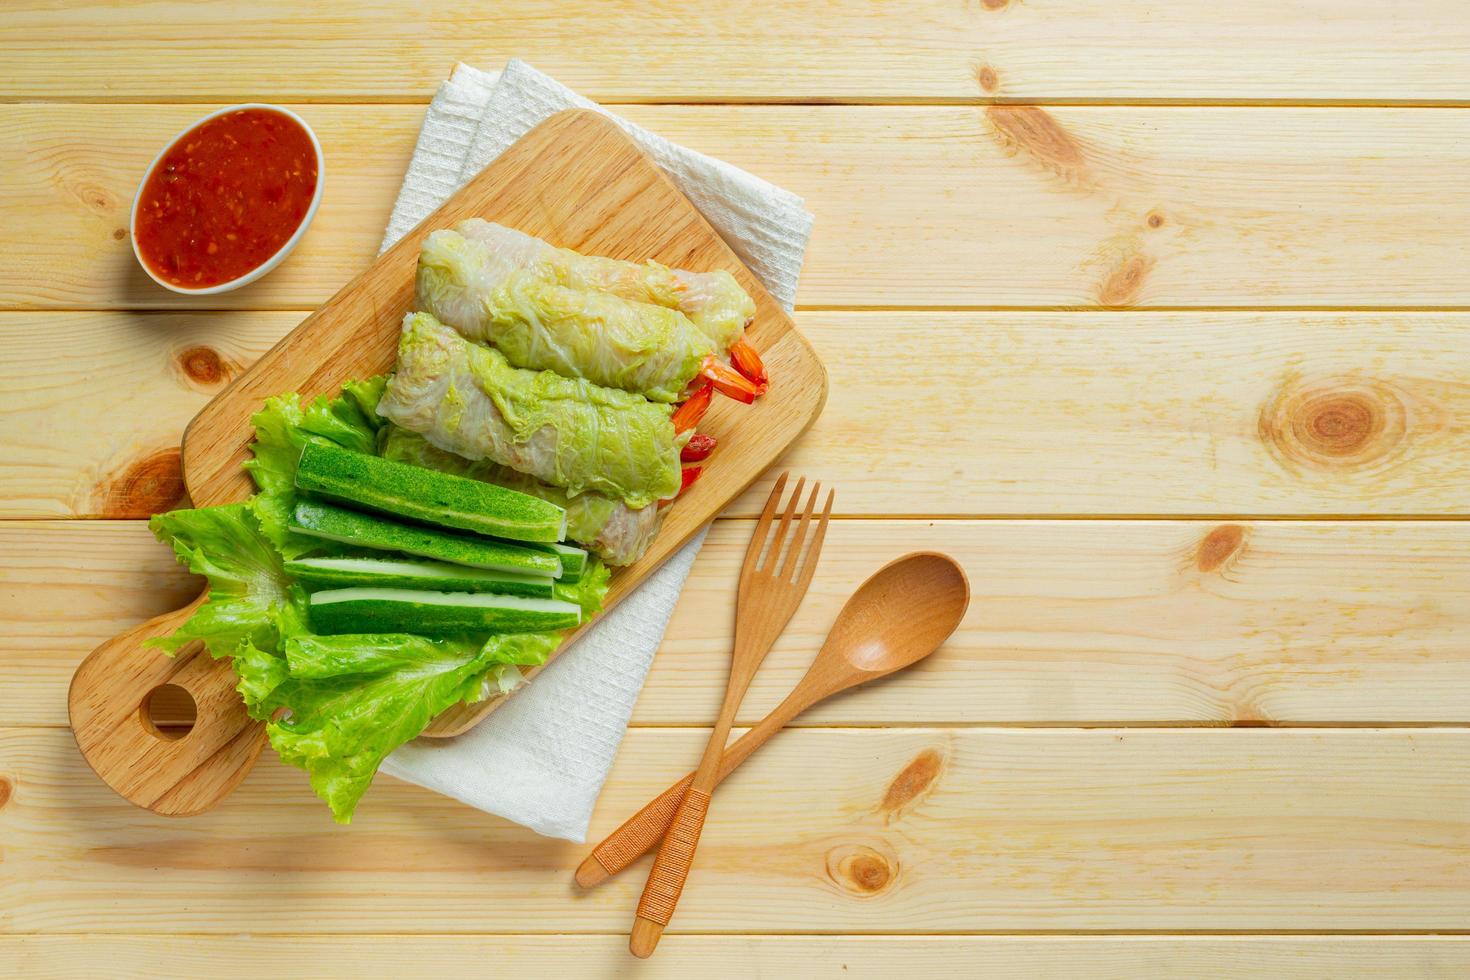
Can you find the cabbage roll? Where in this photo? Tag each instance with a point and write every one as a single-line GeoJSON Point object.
{"type": "Point", "coordinates": [468, 399]}
{"type": "Point", "coordinates": [612, 530]}
{"type": "Point", "coordinates": [537, 322]}
{"type": "Point", "coordinates": [713, 301]}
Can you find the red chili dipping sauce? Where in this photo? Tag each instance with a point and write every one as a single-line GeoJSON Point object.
{"type": "Point", "coordinates": [226, 197]}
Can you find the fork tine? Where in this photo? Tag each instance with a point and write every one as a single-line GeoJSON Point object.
{"type": "Point", "coordinates": [806, 518]}
{"type": "Point", "coordinates": [773, 557]}
{"type": "Point", "coordinates": [758, 537]}
{"type": "Point", "coordinates": [810, 564]}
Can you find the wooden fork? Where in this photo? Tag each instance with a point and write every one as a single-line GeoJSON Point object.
{"type": "Point", "coordinates": [770, 590]}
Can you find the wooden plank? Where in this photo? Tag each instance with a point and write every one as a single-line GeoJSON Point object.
{"type": "Point", "coordinates": [1120, 622]}
{"type": "Point", "coordinates": [848, 957]}
{"type": "Point", "coordinates": [1072, 622]}
{"type": "Point", "coordinates": [851, 50]}
{"type": "Point", "coordinates": [1038, 413]}
{"type": "Point", "coordinates": [66, 588]}
{"type": "Point", "coordinates": [897, 830]}
{"type": "Point", "coordinates": [98, 403]}
{"type": "Point", "coordinates": [919, 206]}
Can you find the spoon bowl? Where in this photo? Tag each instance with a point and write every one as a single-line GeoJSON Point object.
{"type": "Point", "coordinates": [899, 616]}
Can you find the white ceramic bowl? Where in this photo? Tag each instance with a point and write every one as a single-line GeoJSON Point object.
{"type": "Point", "coordinates": [281, 253]}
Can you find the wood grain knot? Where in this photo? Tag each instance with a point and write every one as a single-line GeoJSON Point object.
{"type": "Point", "coordinates": [988, 79]}
{"type": "Point", "coordinates": [146, 487]}
{"type": "Point", "coordinates": [912, 782]}
{"type": "Point", "coordinates": [98, 199]}
{"type": "Point", "coordinates": [1036, 133]}
{"type": "Point", "coordinates": [861, 870]}
{"type": "Point", "coordinates": [1334, 423]}
{"type": "Point", "coordinates": [204, 366]}
{"type": "Point", "coordinates": [1247, 715]}
{"type": "Point", "coordinates": [7, 790]}
{"type": "Point", "coordinates": [1219, 546]}
{"type": "Point", "coordinates": [1154, 220]}
{"type": "Point", "coordinates": [995, 4]}
{"type": "Point", "coordinates": [1123, 283]}
{"type": "Point", "coordinates": [119, 233]}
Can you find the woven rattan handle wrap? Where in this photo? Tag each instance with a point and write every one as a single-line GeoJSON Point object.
{"type": "Point", "coordinates": [641, 832]}
{"type": "Point", "coordinates": [671, 867]}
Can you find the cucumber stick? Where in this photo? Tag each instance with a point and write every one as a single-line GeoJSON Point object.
{"type": "Point", "coordinates": [420, 494]}
{"type": "Point", "coordinates": [388, 573]}
{"type": "Point", "coordinates": [433, 613]}
{"type": "Point", "coordinates": [366, 531]}
{"type": "Point", "coordinates": [573, 559]}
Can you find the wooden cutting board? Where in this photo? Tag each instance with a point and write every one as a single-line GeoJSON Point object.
{"type": "Point", "coordinates": [576, 180]}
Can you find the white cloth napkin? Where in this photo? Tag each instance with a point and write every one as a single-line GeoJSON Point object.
{"type": "Point", "coordinates": [541, 759]}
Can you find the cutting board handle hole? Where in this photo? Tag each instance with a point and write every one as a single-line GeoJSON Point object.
{"type": "Point", "coordinates": [169, 712]}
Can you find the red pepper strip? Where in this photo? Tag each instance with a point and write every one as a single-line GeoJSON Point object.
{"type": "Point", "coordinates": [697, 448]}
{"type": "Point", "coordinates": [687, 476]}
{"type": "Point", "coordinates": [728, 381]}
{"type": "Point", "coordinates": [687, 415]}
{"type": "Point", "coordinates": [748, 362]}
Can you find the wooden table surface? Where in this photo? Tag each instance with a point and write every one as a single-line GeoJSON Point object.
{"type": "Point", "coordinates": [1156, 315]}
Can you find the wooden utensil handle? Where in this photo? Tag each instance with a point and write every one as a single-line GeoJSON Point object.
{"type": "Point", "coordinates": [670, 871]}
{"type": "Point", "coordinates": [638, 835]}
{"type": "Point", "coordinates": [109, 708]}
{"type": "Point", "coordinates": [641, 832]}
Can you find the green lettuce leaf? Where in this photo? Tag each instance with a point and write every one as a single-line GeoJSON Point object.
{"type": "Point", "coordinates": [283, 427]}
{"type": "Point", "coordinates": [334, 706]}
{"type": "Point", "coordinates": [588, 591]}
{"type": "Point", "coordinates": [342, 703]}
{"type": "Point", "coordinates": [260, 672]}
{"type": "Point", "coordinates": [247, 585]}
{"type": "Point", "coordinates": [366, 394]}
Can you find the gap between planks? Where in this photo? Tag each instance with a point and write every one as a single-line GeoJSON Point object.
{"type": "Point", "coordinates": [795, 933]}
{"type": "Point", "coordinates": [1013, 726]}
{"type": "Point", "coordinates": [1040, 516]}
{"type": "Point", "coordinates": [389, 954]}
{"type": "Point", "coordinates": [342, 99]}
{"type": "Point", "coordinates": [1406, 934]}
{"type": "Point", "coordinates": [1041, 308]}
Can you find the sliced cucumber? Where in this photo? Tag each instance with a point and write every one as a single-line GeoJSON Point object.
{"type": "Point", "coordinates": [573, 559]}
{"type": "Point", "coordinates": [365, 531]}
{"type": "Point", "coordinates": [336, 573]}
{"type": "Point", "coordinates": [411, 611]}
{"type": "Point", "coordinates": [420, 494]}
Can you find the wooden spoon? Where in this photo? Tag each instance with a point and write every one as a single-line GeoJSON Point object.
{"type": "Point", "coordinates": [899, 616]}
